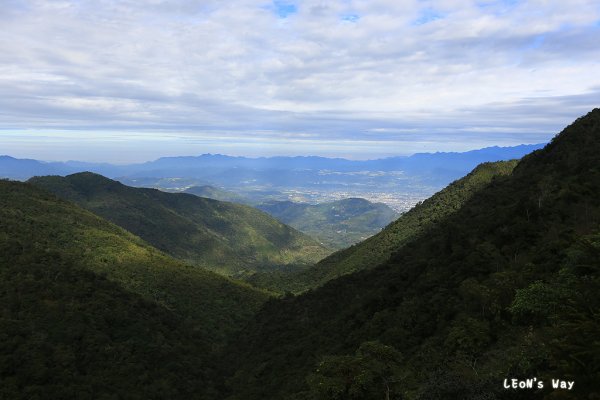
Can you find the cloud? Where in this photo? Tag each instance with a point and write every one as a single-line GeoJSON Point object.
{"type": "Point", "coordinates": [361, 71]}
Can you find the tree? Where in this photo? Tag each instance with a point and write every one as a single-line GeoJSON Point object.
{"type": "Point", "coordinates": [372, 373]}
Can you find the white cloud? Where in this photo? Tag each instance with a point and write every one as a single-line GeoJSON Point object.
{"type": "Point", "coordinates": [205, 66]}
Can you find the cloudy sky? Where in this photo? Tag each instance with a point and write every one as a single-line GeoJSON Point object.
{"type": "Point", "coordinates": [134, 80]}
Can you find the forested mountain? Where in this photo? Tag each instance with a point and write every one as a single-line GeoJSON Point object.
{"type": "Point", "coordinates": [88, 310]}
{"type": "Point", "coordinates": [378, 248]}
{"type": "Point", "coordinates": [228, 238]}
{"type": "Point", "coordinates": [505, 287]}
{"type": "Point", "coordinates": [337, 224]}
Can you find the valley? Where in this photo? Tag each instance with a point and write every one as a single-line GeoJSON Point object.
{"type": "Point", "coordinates": [217, 299]}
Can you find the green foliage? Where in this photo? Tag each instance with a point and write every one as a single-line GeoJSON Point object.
{"type": "Point", "coordinates": [463, 300]}
{"type": "Point", "coordinates": [228, 238]}
{"type": "Point", "coordinates": [68, 333]}
{"type": "Point", "coordinates": [539, 300]}
{"type": "Point", "coordinates": [372, 373]}
{"type": "Point", "coordinates": [566, 309]}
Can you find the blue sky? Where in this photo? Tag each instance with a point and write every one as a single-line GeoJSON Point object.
{"type": "Point", "coordinates": [118, 81]}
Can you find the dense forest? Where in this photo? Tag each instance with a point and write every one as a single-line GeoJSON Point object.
{"type": "Point", "coordinates": [496, 277]}
{"type": "Point", "coordinates": [89, 310]}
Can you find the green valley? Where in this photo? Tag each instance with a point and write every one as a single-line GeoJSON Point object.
{"type": "Point", "coordinates": [299, 200]}
{"type": "Point", "coordinates": [495, 277]}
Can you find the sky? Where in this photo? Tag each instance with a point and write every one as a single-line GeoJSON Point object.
{"type": "Point", "coordinates": [128, 81]}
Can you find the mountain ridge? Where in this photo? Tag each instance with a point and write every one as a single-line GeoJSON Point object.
{"type": "Point", "coordinates": [216, 161]}
{"type": "Point", "coordinates": [229, 238]}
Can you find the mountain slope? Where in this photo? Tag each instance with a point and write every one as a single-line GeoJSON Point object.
{"type": "Point", "coordinates": [70, 333]}
{"type": "Point", "coordinates": [90, 310]}
{"type": "Point", "coordinates": [229, 238]}
{"type": "Point", "coordinates": [378, 248]}
{"type": "Point", "coordinates": [337, 224]}
{"type": "Point", "coordinates": [215, 193]}
{"type": "Point", "coordinates": [505, 287]}
{"type": "Point", "coordinates": [34, 220]}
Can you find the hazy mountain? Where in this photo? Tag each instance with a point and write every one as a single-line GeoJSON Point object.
{"type": "Point", "coordinates": [220, 167]}
{"type": "Point", "coordinates": [433, 168]}
{"type": "Point", "coordinates": [91, 311]}
{"type": "Point", "coordinates": [336, 224]}
{"type": "Point", "coordinates": [229, 238]}
{"type": "Point", "coordinates": [453, 161]}
{"type": "Point", "coordinates": [506, 286]}
{"type": "Point", "coordinates": [22, 168]}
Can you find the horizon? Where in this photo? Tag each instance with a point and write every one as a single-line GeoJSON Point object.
{"type": "Point", "coordinates": [115, 148]}
{"type": "Point", "coordinates": [122, 83]}
{"type": "Point", "coordinates": [265, 157]}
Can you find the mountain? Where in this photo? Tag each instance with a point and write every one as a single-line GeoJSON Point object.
{"type": "Point", "coordinates": [379, 248]}
{"type": "Point", "coordinates": [336, 224]}
{"type": "Point", "coordinates": [453, 161]}
{"type": "Point", "coordinates": [88, 310]}
{"type": "Point", "coordinates": [216, 193]}
{"type": "Point", "coordinates": [22, 168]}
{"type": "Point", "coordinates": [437, 169]}
{"type": "Point", "coordinates": [222, 168]}
{"type": "Point", "coordinates": [505, 287]}
{"type": "Point", "coordinates": [444, 167]}
{"type": "Point", "coordinates": [229, 238]}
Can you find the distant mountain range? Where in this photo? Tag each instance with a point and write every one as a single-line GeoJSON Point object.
{"type": "Point", "coordinates": [222, 168]}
